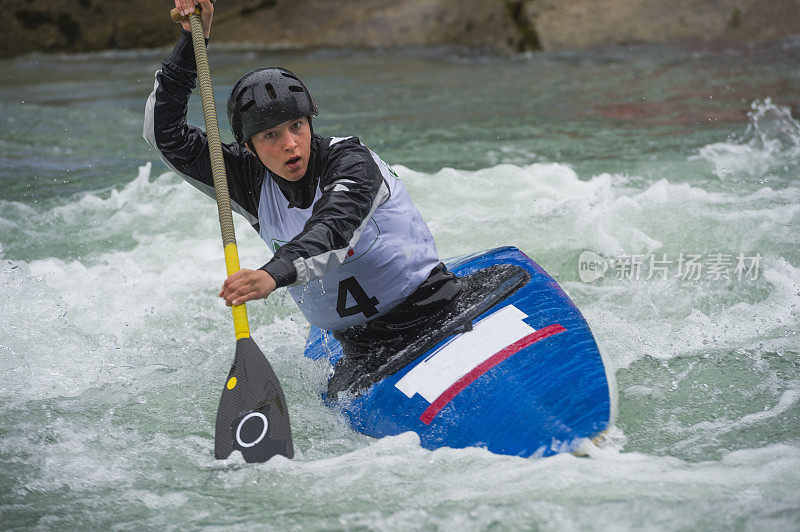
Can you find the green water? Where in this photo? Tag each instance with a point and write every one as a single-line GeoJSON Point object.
{"type": "Point", "coordinates": [113, 344]}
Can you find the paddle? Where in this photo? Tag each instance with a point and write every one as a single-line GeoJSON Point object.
{"type": "Point", "coordinates": [252, 415]}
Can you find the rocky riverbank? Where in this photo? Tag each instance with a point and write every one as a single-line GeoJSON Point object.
{"type": "Point", "coordinates": [504, 25]}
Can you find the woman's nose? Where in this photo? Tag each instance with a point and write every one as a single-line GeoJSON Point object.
{"type": "Point", "coordinates": [289, 142]}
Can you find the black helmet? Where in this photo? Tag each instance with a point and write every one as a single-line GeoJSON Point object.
{"type": "Point", "coordinates": [264, 98]}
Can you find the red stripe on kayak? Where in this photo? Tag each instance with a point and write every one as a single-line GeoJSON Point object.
{"type": "Point", "coordinates": [456, 388]}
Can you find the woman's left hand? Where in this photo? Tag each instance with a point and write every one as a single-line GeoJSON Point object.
{"type": "Point", "coordinates": [246, 285]}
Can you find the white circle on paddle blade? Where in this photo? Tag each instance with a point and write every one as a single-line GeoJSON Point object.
{"type": "Point", "coordinates": [260, 436]}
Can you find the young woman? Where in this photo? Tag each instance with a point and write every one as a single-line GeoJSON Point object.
{"type": "Point", "coordinates": [346, 239]}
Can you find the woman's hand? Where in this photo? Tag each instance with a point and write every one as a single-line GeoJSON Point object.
{"type": "Point", "coordinates": [246, 285]}
{"type": "Point", "coordinates": [186, 7]}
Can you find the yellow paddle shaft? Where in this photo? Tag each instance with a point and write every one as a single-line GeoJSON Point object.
{"type": "Point", "coordinates": [217, 166]}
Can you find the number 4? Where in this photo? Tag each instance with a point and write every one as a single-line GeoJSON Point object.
{"type": "Point", "coordinates": [364, 304]}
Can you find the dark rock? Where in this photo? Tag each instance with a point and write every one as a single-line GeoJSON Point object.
{"type": "Point", "coordinates": [505, 25]}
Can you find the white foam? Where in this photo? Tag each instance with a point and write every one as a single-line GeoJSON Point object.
{"type": "Point", "coordinates": [552, 214]}
{"type": "Point", "coordinates": [772, 139]}
{"type": "Point", "coordinates": [42, 353]}
{"type": "Point", "coordinates": [662, 319]}
{"type": "Point", "coordinates": [547, 208]}
{"type": "Point", "coordinates": [77, 323]}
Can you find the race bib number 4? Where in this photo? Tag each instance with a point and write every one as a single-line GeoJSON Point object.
{"type": "Point", "coordinates": [362, 303]}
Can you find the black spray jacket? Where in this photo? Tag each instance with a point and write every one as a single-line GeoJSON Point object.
{"type": "Point", "coordinates": [185, 149]}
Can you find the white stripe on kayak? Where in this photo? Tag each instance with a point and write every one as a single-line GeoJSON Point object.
{"type": "Point", "coordinates": [431, 377]}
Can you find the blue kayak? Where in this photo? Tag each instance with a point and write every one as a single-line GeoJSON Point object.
{"type": "Point", "coordinates": [521, 375]}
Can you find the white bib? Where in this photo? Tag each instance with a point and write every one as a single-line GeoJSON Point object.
{"type": "Point", "coordinates": [393, 255]}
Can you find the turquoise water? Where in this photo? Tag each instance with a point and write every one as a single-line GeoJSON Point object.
{"type": "Point", "coordinates": [114, 346]}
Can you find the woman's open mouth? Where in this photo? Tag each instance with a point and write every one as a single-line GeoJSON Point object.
{"type": "Point", "coordinates": [294, 162]}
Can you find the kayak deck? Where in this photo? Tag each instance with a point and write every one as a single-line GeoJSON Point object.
{"type": "Point", "coordinates": [525, 377]}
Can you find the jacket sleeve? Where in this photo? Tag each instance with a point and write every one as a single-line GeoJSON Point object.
{"type": "Point", "coordinates": [352, 189]}
{"type": "Point", "coordinates": [184, 148]}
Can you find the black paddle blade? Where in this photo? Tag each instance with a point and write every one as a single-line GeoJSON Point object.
{"type": "Point", "coordinates": [252, 415]}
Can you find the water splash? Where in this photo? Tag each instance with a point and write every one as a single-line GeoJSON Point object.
{"type": "Point", "coordinates": [770, 142]}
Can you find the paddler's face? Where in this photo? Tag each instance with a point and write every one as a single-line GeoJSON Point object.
{"type": "Point", "coordinates": [285, 148]}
